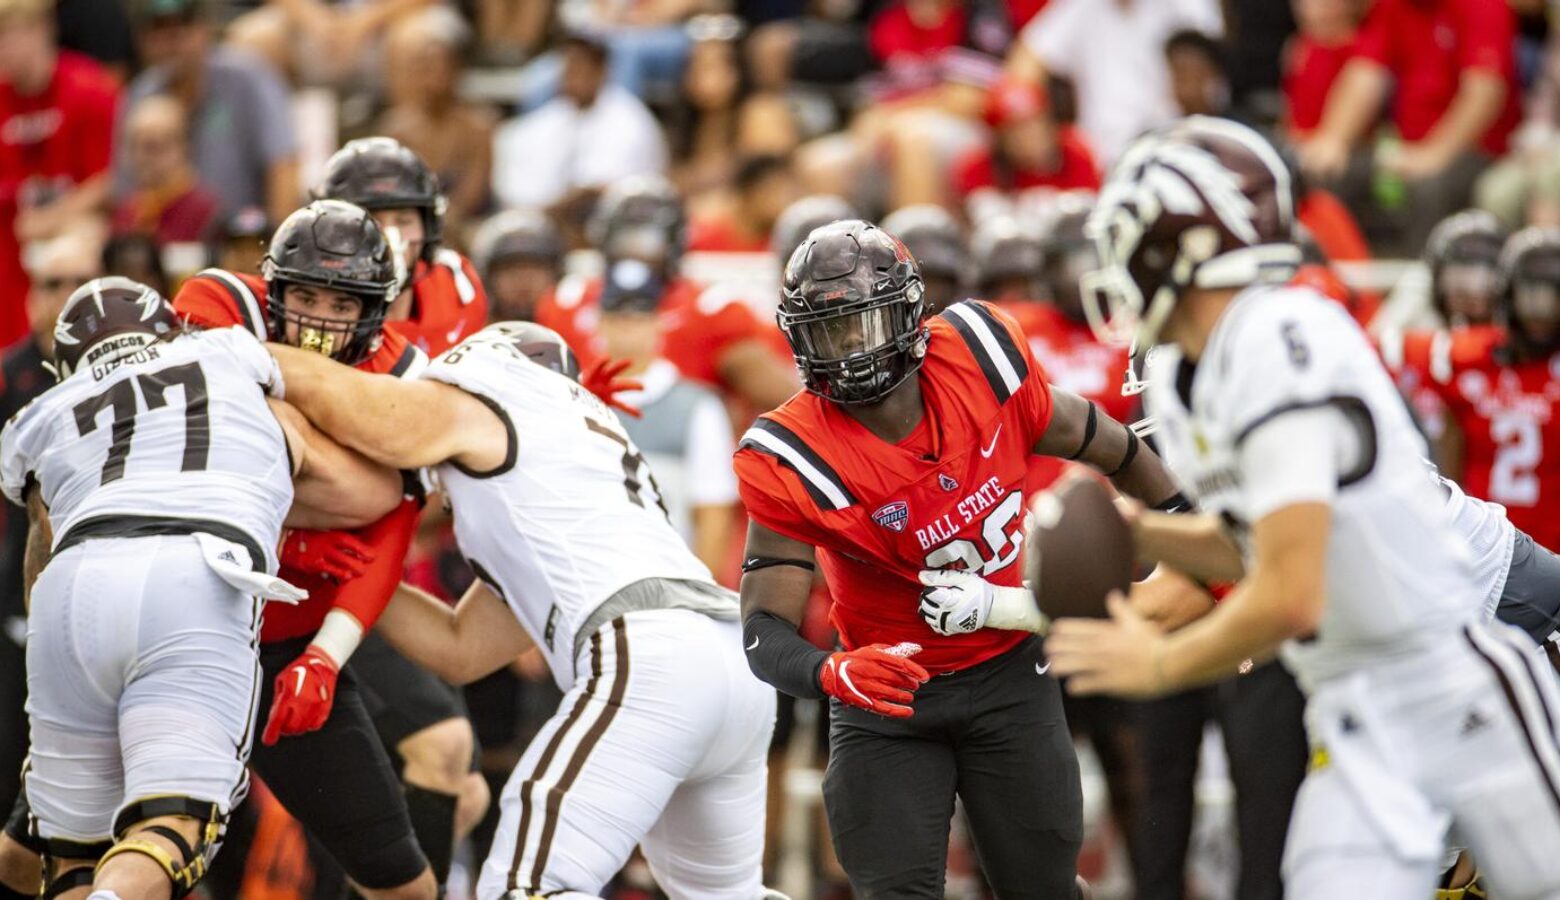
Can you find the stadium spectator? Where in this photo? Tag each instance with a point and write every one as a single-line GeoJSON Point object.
{"type": "Point", "coordinates": [99, 29]}
{"type": "Point", "coordinates": [56, 123]}
{"type": "Point", "coordinates": [519, 256]}
{"type": "Point", "coordinates": [560, 155]}
{"type": "Point", "coordinates": [1449, 67]}
{"type": "Point", "coordinates": [454, 137]}
{"type": "Point", "coordinates": [1313, 58]}
{"type": "Point", "coordinates": [1197, 77]}
{"type": "Point", "coordinates": [137, 257]}
{"type": "Point", "coordinates": [683, 430]}
{"type": "Point", "coordinates": [241, 137]}
{"type": "Point", "coordinates": [936, 240]}
{"type": "Point", "coordinates": [762, 187]}
{"type": "Point", "coordinates": [1030, 157]}
{"type": "Point", "coordinates": [717, 120]}
{"type": "Point", "coordinates": [1114, 54]}
{"type": "Point", "coordinates": [167, 201]}
{"type": "Point", "coordinates": [1525, 186]}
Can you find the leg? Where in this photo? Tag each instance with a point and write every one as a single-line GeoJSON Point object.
{"type": "Point", "coordinates": [339, 783]}
{"type": "Point", "coordinates": [21, 856]}
{"type": "Point", "coordinates": [1171, 733]}
{"type": "Point", "coordinates": [1261, 714]}
{"type": "Point", "coordinates": [1335, 852]}
{"type": "Point", "coordinates": [1018, 778]}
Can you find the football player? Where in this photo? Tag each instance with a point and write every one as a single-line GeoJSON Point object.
{"type": "Point", "coordinates": [936, 241]}
{"type": "Point", "coordinates": [711, 334]}
{"type": "Point", "coordinates": [156, 479]}
{"type": "Point", "coordinates": [519, 254]}
{"type": "Point", "coordinates": [326, 285]}
{"type": "Point", "coordinates": [1306, 464]}
{"type": "Point", "coordinates": [442, 299]}
{"type": "Point", "coordinates": [661, 737]}
{"type": "Point", "coordinates": [903, 466]}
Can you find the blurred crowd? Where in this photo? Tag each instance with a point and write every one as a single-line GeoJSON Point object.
{"type": "Point", "coordinates": [632, 173]}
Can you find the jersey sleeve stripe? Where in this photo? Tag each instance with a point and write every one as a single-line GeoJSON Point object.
{"type": "Point", "coordinates": [411, 363]}
{"type": "Point", "coordinates": [822, 482]}
{"type": "Point", "coordinates": [464, 289]}
{"type": "Point", "coordinates": [243, 298]}
{"type": "Point", "coordinates": [1353, 410]}
{"type": "Point", "coordinates": [993, 346]}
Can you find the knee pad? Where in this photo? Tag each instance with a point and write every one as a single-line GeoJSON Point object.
{"type": "Point", "coordinates": [190, 868]}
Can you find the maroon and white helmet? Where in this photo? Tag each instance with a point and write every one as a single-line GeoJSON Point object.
{"type": "Point", "coordinates": [1203, 202]}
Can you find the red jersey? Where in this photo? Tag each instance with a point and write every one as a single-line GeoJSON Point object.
{"type": "Point", "coordinates": [1509, 415]}
{"type": "Point", "coordinates": [50, 142]}
{"type": "Point", "coordinates": [1076, 169]}
{"type": "Point", "coordinates": [698, 324]}
{"type": "Point", "coordinates": [448, 304]}
{"type": "Point", "coordinates": [1310, 68]}
{"type": "Point", "coordinates": [1074, 359]}
{"type": "Point", "coordinates": [1428, 45]}
{"type": "Point", "coordinates": [951, 495]}
{"type": "Point", "coordinates": [216, 298]}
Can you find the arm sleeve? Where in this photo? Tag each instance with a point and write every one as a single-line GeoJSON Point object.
{"type": "Point", "coordinates": [709, 475]}
{"type": "Point", "coordinates": [366, 596]}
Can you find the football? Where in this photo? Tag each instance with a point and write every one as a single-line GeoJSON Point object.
{"type": "Point", "coordinates": [1078, 548]}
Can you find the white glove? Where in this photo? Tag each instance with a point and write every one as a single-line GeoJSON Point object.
{"type": "Point", "coordinates": [955, 602]}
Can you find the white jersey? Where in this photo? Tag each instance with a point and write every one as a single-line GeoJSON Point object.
{"type": "Point", "coordinates": [179, 430]}
{"type": "Point", "coordinates": [1489, 537]}
{"type": "Point", "coordinates": [572, 517]}
{"type": "Point", "coordinates": [1398, 578]}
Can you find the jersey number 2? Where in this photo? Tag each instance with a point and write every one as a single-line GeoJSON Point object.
{"type": "Point", "coordinates": [120, 397]}
{"type": "Point", "coordinates": [997, 531]}
{"type": "Point", "coordinates": [1519, 448]}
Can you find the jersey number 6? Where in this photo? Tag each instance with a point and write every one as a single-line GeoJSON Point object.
{"type": "Point", "coordinates": [1001, 535]}
{"type": "Point", "coordinates": [120, 396]}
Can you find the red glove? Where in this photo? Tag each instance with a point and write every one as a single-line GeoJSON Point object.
{"type": "Point", "coordinates": [336, 555]}
{"type": "Point", "coordinates": [601, 379]}
{"type": "Point", "coordinates": [304, 693]}
{"type": "Point", "coordinates": [874, 679]}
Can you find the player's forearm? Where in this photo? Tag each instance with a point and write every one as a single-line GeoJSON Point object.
{"type": "Point", "coordinates": [333, 487]}
{"type": "Point", "coordinates": [712, 534]}
{"type": "Point", "coordinates": [1193, 543]}
{"type": "Point", "coordinates": [479, 636]}
{"type": "Point", "coordinates": [1480, 98]}
{"type": "Point", "coordinates": [1249, 624]}
{"type": "Point", "coordinates": [1079, 430]}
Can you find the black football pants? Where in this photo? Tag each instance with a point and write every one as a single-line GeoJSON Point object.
{"type": "Point", "coordinates": [1260, 715]}
{"type": "Point", "coordinates": [994, 736]}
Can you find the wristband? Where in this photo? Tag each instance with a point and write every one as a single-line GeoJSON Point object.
{"type": "Point", "coordinates": [1177, 502]}
{"type": "Point", "coordinates": [754, 563]}
{"type": "Point", "coordinates": [1015, 609]}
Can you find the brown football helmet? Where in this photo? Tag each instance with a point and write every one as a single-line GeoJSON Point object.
{"type": "Point", "coordinates": [133, 315]}
{"type": "Point", "coordinates": [1203, 202]}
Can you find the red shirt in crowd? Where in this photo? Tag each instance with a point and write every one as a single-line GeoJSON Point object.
{"type": "Point", "coordinates": [718, 234]}
{"type": "Point", "coordinates": [1076, 169]}
{"type": "Point", "coordinates": [49, 143]}
{"type": "Point", "coordinates": [180, 218]}
{"type": "Point", "coordinates": [893, 33]}
{"type": "Point", "coordinates": [1428, 45]}
{"type": "Point", "coordinates": [1310, 67]}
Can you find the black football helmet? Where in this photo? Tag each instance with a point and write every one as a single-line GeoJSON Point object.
{"type": "Point", "coordinates": [383, 173]}
{"type": "Point", "coordinates": [537, 343]}
{"type": "Point", "coordinates": [1529, 305]}
{"type": "Point", "coordinates": [108, 319]}
{"type": "Point", "coordinates": [1006, 254]}
{"type": "Point", "coordinates": [936, 241]}
{"type": "Point", "coordinates": [516, 235]}
{"type": "Point", "coordinates": [851, 306]}
{"type": "Point", "coordinates": [1463, 255]}
{"type": "Point", "coordinates": [800, 218]}
{"type": "Point", "coordinates": [641, 217]}
{"type": "Point", "coordinates": [332, 244]}
{"type": "Point", "coordinates": [1069, 256]}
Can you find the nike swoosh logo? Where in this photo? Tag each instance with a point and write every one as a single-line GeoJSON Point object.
{"type": "Point", "coordinates": [299, 688]}
{"type": "Point", "coordinates": [986, 451]}
{"type": "Point", "coordinates": [453, 334]}
{"type": "Point", "coordinates": [754, 644]}
{"type": "Point", "coordinates": [1041, 670]}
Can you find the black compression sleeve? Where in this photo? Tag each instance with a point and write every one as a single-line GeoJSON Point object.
{"type": "Point", "coordinates": [780, 656]}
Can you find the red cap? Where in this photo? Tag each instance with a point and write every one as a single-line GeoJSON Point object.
{"type": "Point", "coordinates": [1011, 100]}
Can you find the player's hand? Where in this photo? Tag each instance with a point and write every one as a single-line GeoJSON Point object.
{"type": "Point", "coordinates": [1122, 656]}
{"type": "Point", "coordinates": [1169, 599]}
{"type": "Point", "coordinates": [305, 691]}
{"type": "Point", "coordinates": [336, 555]}
{"type": "Point", "coordinates": [878, 678]}
{"type": "Point", "coordinates": [954, 602]}
{"type": "Point", "coordinates": [602, 380]}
